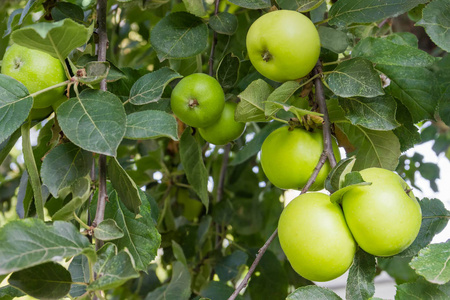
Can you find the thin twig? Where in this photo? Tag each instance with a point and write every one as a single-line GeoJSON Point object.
{"type": "Point", "coordinates": [102, 46]}
{"type": "Point", "coordinates": [320, 99]}
{"type": "Point", "coordinates": [213, 46]}
{"type": "Point", "coordinates": [327, 153]}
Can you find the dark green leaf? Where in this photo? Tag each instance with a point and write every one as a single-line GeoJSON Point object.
{"type": "Point", "coordinates": [80, 189]}
{"type": "Point", "coordinates": [252, 148]}
{"type": "Point", "coordinates": [421, 289]}
{"type": "Point", "coordinates": [366, 11]}
{"type": "Point", "coordinates": [192, 161]}
{"type": "Point", "coordinates": [355, 77]}
{"type": "Point", "coordinates": [313, 292]}
{"type": "Point", "coordinates": [434, 219]}
{"type": "Point", "coordinates": [150, 124]}
{"type": "Point", "coordinates": [299, 5]}
{"type": "Point", "coordinates": [179, 35]}
{"type": "Point", "coordinates": [408, 134]}
{"type": "Point", "coordinates": [79, 270]}
{"type": "Point", "coordinates": [228, 267]}
{"type": "Point", "coordinates": [336, 176]}
{"type": "Point", "coordinates": [46, 281]}
{"type": "Point", "coordinates": [150, 87]}
{"type": "Point", "coordinates": [398, 268]}
{"type": "Point", "coordinates": [57, 39]}
{"type": "Point", "coordinates": [252, 4]}
{"type": "Point", "coordinates": [8, 293]}
{"type": "Point", "coordinates": [178, 253]}
{"type": "Point", "coordinates": [432, 263]}
{"type": "Point", "coordinates": [376, 113]}
{"type": "Point", "coordinates": [416, 88]}
{"type": "Point", "coordinates": [8, 144]}
{"type": "Point", "coordinates": [179, 287]}
{"type": "Point", "coordinates": [373, 148]}
{"type": "Point", "coordinates": [332, 39]}
{"type": "Point", "coordinates": [251, 106]}
{"type": "Point", "coordinates": [63, 10]}
{"type": "Point", "coordinates": [96, 71]}
{"type": "Point", "coordinates": [360, 284]}
{"type": "Point", "coordinates": [228, 71]}
{"type": "Point", "coordinates": [30, 242]}
{"type": "Point", "coordinates": [224, 23]}
{"type": "Point", "coordinates": [108, 230]}
{"type": "Point", "coordinates": [386, 52]}
{"type": "Point", "coordinates": [436, 23]}
{"type": "Point", "coordinates": [218, 290]}
{"type": "Point", "coordinates": [404, 38]}
{"type": "Point", "coordinates": [195, 7]}
{"type": "Point", "coordinates": [63, 166]}
{"type": "Point", "coordinates": [117, 270]}
{"type": "Point", "coordinates": [31, 5]}
{"type": "Point", "coordinates": [95, 121]}
{"type": "Point", "coordinates": [15, 105]}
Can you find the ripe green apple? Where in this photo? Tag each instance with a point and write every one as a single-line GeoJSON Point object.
{"type": "Point", "coordinates": [283, 45]}
{"type": "Point", "coordinates": [384, 217]}
{"type": "Point", "coordinates": [198, 100]}
{"type": "Point", "coordinates": [315, 238]}
{"type": "Point", "coordinates": [226, 129]}
{"type": "Point", "coordinates": [36, 70]}
{"type": "Point", "coordinates": [288, 158]}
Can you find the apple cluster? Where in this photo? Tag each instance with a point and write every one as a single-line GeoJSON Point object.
{"type": "Point", "coordinates": [199, 101]}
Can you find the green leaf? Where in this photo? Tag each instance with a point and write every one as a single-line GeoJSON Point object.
{"type": "Point", "coordinates": [386, 52]}
{"type": "Point", "coordinates": [29, 7]}
{"type": "Point", "coordinates": [45, 281]}
{"type": "Point", "coordinates": [404, 38]}
{"type": "Point", "coordinates": [252, 4]}
{"type": "Point", "coordinates": [108, 230]}
{"type": "Point", "coordinates": [63, 10]}
{"type": "Point", "coordinates": [30, 242]}
{"type": "Point", "coordinates": [195, 7]}
{"type": "Point", "coordinates": [228, 71]}
{"type": "Point", "coordinates": [179, 287]}
{"type": "Point", "coordinates": [373, 148]}
{"type": "Point", "coordinates": [298, 112]}
{"type": "Point", "coordinates": [224, 23]}
{"type": "Point", "coordinates": [432, 263]}
{"type": "Point", "coordinates": [434, 219]}
{"type": "Point", "coordinates": [376, 113]}
{"type": "Point", "coordinates": [366, 11]}
{"type": "Point", "coordinates": [15, 105]}
{"type": "Point", "coordinates": [313, 292]}
{"type": "Point", "coordinates": [150, 87]}
{"type": "Point", "coordinates": [150, 124]}
{"type": "Point", "coordinates": [179, 35]}
{"type": "Point", "coordinates": [443, 77]}
{"type": "Point", "coordinates": [218, 290]}
{"type": "Point", "coordinates": [96, 71]}
{"type": "Point", "coordinates": [416, 88]}
{"type": "Point", "coordinates": [57, 39]}
{"type": "Point", "coordinates": [280, 95]}
{"type": "Point", "coordinates": [299, 5]}
{"type": "Point", "coordinates": [352, 179]}
{"type": "Point", "coordinates": [398, 268]}
{"type": "Point", "coordinates": [124, 185]}
{"type": "Point", "coordinates": [355, 77]}
{"type": "Point", "coordinates": [360, 284]}
{"type": "Point", "coordinates": [436, 23]}
{"type": "Point", "coordinates": [251, 106]}
{"type": "Point", "coordinates": [140, 235]}
{"type": "Point", "coordinates": [8, 293]}
{"type": "Point", "coordinates": [332, 39]}
{"type": "Point", "coordinates": [8, 144]}
{"type": "Point", "coordinates": [95, 121]}
{"type": "Point", "coordinates": [178, 253]}
{"type": "Point", "coordinates": [63, 166]}
{"type": "Point", "coordinates": [117, 270]}
{"type": "Point", "coordinates": [228, 267]}
{"type": "Point", "coordinates": [192, 161]}
{"type": "Point", "coordinates": [80, 189]}
{"type": "Point", "coordinates": [252, 148]}
{"type": "Point", "coordinates": [408, 134]}
{"type": "Point", "coordinates": [336, 177]}
{"type": "Point", "coordinates": [79, 270]}
{"type": "Point", "coordinates": [421, 289]}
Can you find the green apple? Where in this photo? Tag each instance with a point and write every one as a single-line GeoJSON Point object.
{"type": "Point", "coordinates": [315, 238]}
{"type": "Point", "coordinates": [198, 100]}
{"type": "Point", "coordinates": [283, 45]}
{"type": "Point", "coordinates": [288, 158]}
{"type": "Point", "coordinates": [384, 217]}
{"type": "Point", "coordinates": [226, 129]}
{"type": "Point", "coordinates": [36, 70]}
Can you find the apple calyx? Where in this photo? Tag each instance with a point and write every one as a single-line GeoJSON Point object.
{"type": "Point", "coordinates": [266, 56]}
{"type": "Point", "coordinates": [193, 103]}
{"type": "Point", "coordinates": [17, 63]}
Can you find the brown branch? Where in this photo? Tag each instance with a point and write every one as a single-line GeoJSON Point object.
{"type": "Point", "coordinates": [213, 45]}
{"type": "Point", "coordinates": [320, 99]}
{"type": "Point", "coordinates": [327, 153]}
{"type": "Point", "coordinates": [101, 52]}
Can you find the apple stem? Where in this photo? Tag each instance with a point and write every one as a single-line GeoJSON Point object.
{"type": "Point", "coordinates": [266, 56]}
{"type": "Point", "coordinates": [193, 103]}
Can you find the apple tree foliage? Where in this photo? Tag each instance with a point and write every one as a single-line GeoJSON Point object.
{"type": "Point", "coordinates": [184, 219]}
